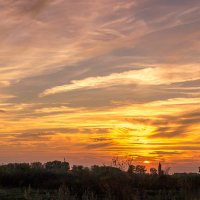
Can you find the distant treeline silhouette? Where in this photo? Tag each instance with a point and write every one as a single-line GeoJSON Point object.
{"type": "Point", "coordinates": [98, 182]}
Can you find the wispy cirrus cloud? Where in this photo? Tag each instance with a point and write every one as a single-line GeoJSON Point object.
{"type": "Point", "coordinates": [36, 42]}
{"type": "Point", "coordinates": [146, 76]}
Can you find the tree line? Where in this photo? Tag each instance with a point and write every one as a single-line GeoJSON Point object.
{"type": "Point", "coordinates": [114, 181]}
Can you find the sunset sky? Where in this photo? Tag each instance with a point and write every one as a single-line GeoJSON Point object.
{"type": "Point", "coordinates": [92, 79]}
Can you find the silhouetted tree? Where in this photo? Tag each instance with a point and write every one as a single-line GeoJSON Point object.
{"type": "Point", "coordinates": [122, 164]}
{"type": "Point", "coordinates": [36, 165]}
{"type": "Point", "coordinates": [140, 169]}
{"type": "Point", "coordinates": [79, 169]}
{"type": "Point", "coordinates": [131, 169]}
{"type": "Point", "coordinates": [57, 165]}
{"type": "Point", "coordinates": [153, 171]}
{"type": "Point", "coordinates": [160, 171]}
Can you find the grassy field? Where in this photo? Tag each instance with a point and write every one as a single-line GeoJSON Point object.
{"type": "Point", "coordinates": [60, 194]}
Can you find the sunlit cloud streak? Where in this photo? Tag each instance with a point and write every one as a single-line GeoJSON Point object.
{"type": "Point", "coordinates": [147, 76]}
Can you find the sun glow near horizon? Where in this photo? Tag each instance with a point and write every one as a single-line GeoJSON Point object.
{"type": "Point", "coordinates": [115, 78]}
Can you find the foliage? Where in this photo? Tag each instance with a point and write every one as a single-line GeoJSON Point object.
{"type": "Point", "coordinates": [95, 183]}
